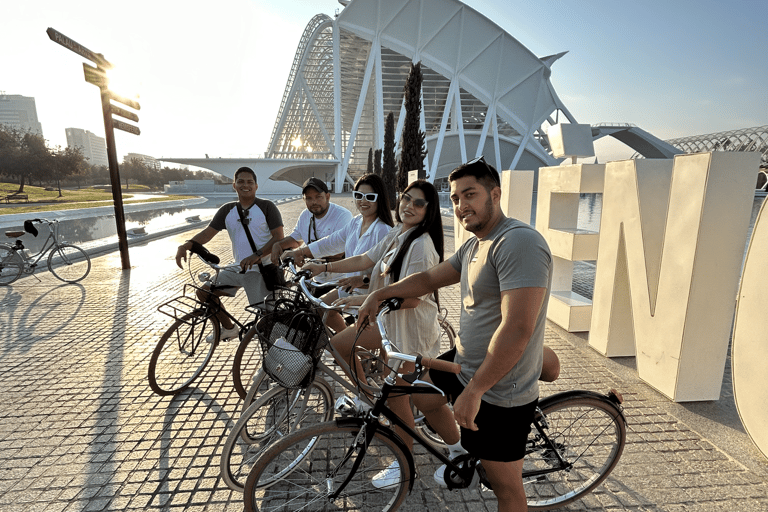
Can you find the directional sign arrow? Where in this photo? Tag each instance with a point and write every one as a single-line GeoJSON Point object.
{"type": "Point", "coordinates": [125, 101]}
{"type": "Point", "coordinates": [95, 76]}
{"type": "Point", "coordinates": [123, 113]}
{"type": "Point", "coordinates": [126, 127]}
{"type": "Point", "coordinates": [58, 37]}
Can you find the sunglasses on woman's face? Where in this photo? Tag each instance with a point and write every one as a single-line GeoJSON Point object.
{"type": "Point", "coordinates": [370, 197]}
{"type": "Point", "coordinates": [418, 203]}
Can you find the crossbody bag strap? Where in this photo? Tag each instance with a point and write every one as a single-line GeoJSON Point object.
{"type": "Point", "coordinates": [241, 213]}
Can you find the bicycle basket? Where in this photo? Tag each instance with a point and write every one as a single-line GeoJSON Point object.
{"type": "Point", "coordinates": [280, 298]}
{"type": "Point", "coordinates": [292, 343]}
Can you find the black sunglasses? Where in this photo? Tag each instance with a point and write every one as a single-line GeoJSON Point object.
{"type": "Point", "coordinates": [481, 159]}
{"type": "Point", "coordinates": [370, 197]}
{"type": "Point", "coordinates": [418, 203]}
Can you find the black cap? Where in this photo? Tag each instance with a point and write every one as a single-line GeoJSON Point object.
{"type": "Point", "coordinates": [315, 183]}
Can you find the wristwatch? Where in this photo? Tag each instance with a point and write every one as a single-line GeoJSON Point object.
{"type": "Point", "coordinates": [366, 280]}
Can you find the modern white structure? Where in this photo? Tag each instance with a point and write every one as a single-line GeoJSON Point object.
{"type": "Point", "coordinates": [150, 161]}
{"type": "Point", "coordinates": [93, 147]}
{"type": "Point", "coordinates": [483, 92]}
{"type": "Point", "coordinates": [19, 112]}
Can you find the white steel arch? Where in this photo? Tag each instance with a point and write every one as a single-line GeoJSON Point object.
{"type": "Point", "coordinates": [483, 91]}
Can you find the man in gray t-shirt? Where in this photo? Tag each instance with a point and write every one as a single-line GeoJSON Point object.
{"type": "Point", "coordinates": [505, 275]}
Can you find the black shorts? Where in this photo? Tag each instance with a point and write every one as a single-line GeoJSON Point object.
{"type": "Point", "coordinates": [502, 431]}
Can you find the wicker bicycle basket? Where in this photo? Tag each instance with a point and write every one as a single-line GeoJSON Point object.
{"type": "Point", "coordinates": [292, 343]}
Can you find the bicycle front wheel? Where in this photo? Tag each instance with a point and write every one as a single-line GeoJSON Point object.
{"type": "Point", "coordinates": [11, 265]}
{"type": "Point", "coordinates": [313, 462]}
{"type": "Point", "coordinates": [590, 436]}
{"type": "Point", "coordinates": [276, 414]}
{"type": "Point", "coordinates": [182, 353]}
{"type": "Point", "coordinates": [246, 363]}
{"type": "Point", "coordinates": [69, 263]}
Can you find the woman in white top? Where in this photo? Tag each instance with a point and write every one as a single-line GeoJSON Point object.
{"type": "Point", "coordinates": [414, 245]}
{"type": "Point", "coordinates": [358, 236]}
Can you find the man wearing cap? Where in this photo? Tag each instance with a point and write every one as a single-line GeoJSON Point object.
{"type": "Point", "coordinates": [265, 224]}
{"type": "Point", "coordinates": [320, 219]}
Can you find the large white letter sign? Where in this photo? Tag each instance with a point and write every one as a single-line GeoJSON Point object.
{"type": "Point", "coordinates": [671, 246]}
{"type": "Point", "coordinates": [750, 343]}
{"type": "Point", "coordinates": [557, 211]}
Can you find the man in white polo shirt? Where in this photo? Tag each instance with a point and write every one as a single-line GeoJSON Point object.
{"type": "Point", "coordinates": [320, 219]}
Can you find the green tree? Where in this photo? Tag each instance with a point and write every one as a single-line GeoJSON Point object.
{"type": "Point", "coordinates": [413, 147]}
{"type": "Point", "coordinates": [389, 167]}
{"type": "Point", "coordinates": [133, 169]}
{"type": "Point", "coordinates": [369, 168]}
{"type": "Point", "coordinates": [377, 162]}
{"type": "Point", "coordinates": [66, 163]}
{"type": "Point", "coordinates": [22, 155]}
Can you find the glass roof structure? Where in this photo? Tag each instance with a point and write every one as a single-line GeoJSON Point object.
{"type": "Point", "coordinates": [483, 92]}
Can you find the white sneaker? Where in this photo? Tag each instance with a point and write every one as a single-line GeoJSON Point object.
{"type": "Point", "coordinates": [439, 475]}
{"type": "Point", "coordinates": [226, 334]}
{"type": "Point", "coordinates": [347, 406]}
{"type": "Point", "coordinates": [386, 478]}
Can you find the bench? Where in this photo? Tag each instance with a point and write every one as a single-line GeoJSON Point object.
{"type": "Point", "coordinates": [16, 197]}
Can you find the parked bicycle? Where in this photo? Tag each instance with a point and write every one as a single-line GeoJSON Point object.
{"type": "Point", "coordinates": [576, 440]}
{"type": "Point", "coordinates": [66, 261]}
{"type": "Point", "coordinates": [274, 412]}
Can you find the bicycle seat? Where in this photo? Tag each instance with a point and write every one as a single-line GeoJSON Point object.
{"type": "Point", "coordinates": [14, 234]}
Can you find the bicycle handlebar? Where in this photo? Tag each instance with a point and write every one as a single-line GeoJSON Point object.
{"type": "Point", "coordinates": [428, 362]}
{"type": "Point", "coordinates": [302, 276]}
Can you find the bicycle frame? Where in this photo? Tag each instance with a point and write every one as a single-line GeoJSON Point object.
{"type": "Point", "coordinates": [371, 423]}
{"type": "Point", "coordinates": [52, 239]}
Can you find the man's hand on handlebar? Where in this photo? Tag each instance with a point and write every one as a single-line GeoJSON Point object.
{"type": "Point", "coordinates": [297, 255]}
{"type": "Point", "coordinates": [250, 261]}
{"type": "Point", "coordinates": [181, 255]}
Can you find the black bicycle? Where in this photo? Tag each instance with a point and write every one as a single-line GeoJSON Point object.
{"type": "Point", "coordinates": [188, 345]}
{"type": "Point", "coordinates": [576, 440]}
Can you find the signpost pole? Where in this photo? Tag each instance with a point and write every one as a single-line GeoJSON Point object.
{"type": "Point", "coordinates": [114, 178]}
{"type": "Point", "coordinates": [97, 76]}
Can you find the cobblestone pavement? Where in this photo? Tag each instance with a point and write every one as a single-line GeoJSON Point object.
{"type": "Point", "coordinates": [81, 430]}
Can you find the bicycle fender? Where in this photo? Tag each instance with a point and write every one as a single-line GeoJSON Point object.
{"type": "Point", "coordinates": [389, 434]}
{"type": "Point", "coordinates": [582, 393]}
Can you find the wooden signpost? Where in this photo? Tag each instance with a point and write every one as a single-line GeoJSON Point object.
{"type": "Point", "coordinates": [98, 77]}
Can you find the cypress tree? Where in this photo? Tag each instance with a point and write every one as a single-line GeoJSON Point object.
{"type": "Point", "coordinates": [389, 168]}
{"type": "Point", "coordinates": [377, 162]}
{"type": "Point", "coordinates": [413, 148]}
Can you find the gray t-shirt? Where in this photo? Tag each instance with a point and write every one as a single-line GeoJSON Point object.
{"type": "Point", "coordinates": [513, 255]}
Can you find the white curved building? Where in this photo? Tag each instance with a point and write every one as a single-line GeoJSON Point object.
{"type": "Point", "coordinates": [483, 93]}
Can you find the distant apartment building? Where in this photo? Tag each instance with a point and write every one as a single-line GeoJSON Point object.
{"type": "Point", "coordinates": [149, 161]}
{"type": "Point", "coordinates": [19, 112]}
{"type": "Point", "coordinates": [93, 147]}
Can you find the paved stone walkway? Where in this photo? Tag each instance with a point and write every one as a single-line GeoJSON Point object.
{"type": "Point", "coordinates": [80, 430]}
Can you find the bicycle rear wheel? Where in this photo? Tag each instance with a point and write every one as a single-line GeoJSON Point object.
{"type": "Point", "coordinates": [307, 466]}
{"type": "Point", "coordinates": [590, 435]}
{"type": "Point", "coordinates": [276, 414]}
{"type": "Point", "coordinates": [11, 265]}
{"type": "Point", "coordinates": [182, 353]}
{"type": "Point", "coordinates": [69, 263]}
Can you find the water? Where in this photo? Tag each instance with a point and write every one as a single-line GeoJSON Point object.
{"type": "Point", "coordinates": [99, 230]}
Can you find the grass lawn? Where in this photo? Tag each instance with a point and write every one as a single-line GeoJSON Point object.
{"type": "Point", "coordinates": [41, 200]}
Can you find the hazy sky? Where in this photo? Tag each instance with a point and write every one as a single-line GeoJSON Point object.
{"type": "Point", "coordinates": [212, 74]}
